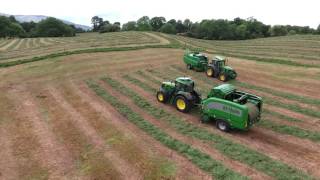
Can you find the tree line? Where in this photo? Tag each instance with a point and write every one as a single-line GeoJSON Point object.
{"type": "Point", "coordinates": [220, 29]}
{"type": "Point", "coordinates": [49, 27]}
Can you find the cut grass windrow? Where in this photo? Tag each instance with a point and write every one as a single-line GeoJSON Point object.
{"type": "Point", "coordinates": [266, 123]}
{"type": "Point", "coordinates": [293, 107]}
{"type": "Point", "coordinates": [82, 51]}
{"type": "Point", "coordinates": [200, 159]}
{"type": "Point", "coordinates": [227, 147]}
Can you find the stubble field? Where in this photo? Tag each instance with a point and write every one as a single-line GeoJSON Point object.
{"type": "Point", "coordinates": [92, 114]}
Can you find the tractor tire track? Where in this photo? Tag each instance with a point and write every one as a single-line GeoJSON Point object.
{"type": "Point", "coordinates": [122, 166]}
{"type": "Point", "coordinates": [53, 155]}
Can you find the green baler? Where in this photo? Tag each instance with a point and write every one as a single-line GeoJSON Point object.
{"type": "Point", "coordinates": [228, 107]}
{"type": "Point", "coordinates": [216, 68]}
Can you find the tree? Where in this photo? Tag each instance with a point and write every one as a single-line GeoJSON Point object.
{"type": "Point", "coordinates": [279, 30]}
{"type": "Point", "coordinates": [110, 28]}
{"type": "Point", "coordinates": [9, 28]}
{"type": "Point", "coordinates": [28, 26]}
{"type": "Point", "coordinates": [52, 27]}
{"type": "Point", "coordinates": [144, 24]}
{"type": "Point", "coordinates": [98, 23]}
{"type": "Point", "coordinates": [157, 22]}
{"type": "Point", "coordinates": [180, 28]}
{"type": "Point", "coordinates": [168, 28]}
{"type": "Point", "coordinates": [187, 23]}
{"type": "Point", "coordinates": [318, 29]}
{"type": "Point", "coordinates": [129, 26]}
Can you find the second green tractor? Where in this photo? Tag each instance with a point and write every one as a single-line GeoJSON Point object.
{"type": "Point", "coordinates": [216, 68]}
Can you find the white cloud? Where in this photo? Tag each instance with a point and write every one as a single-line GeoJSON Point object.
{"type": "Point", "coordinates": [270, 12]}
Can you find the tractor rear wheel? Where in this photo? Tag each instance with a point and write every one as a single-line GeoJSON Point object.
{"type": "Point", "coordinates": [222, 77]}
{"type": "Point", "coordinates": [210, 72]}
{"type": "Point", "coordinates": [161, 97]}
{"type": "Point", "coordinates": [222, 125]}
{"type": "Point", "coordinates": [182, 104]}
{"type": "Point", "coordinates": [189, 66]}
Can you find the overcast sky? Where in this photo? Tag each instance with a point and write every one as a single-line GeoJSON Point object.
{"type": "Point", "coordinates": [294, 12]}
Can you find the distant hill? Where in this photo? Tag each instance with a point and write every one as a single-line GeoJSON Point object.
{"type": "Point", "coordinates": [37, 18]}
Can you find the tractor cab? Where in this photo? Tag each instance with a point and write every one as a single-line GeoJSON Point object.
{"type": "Point", "coordinates": [217, 68]}
{"type": "Point", "coordinates": [184, 84]}
{"type": "Point", "coordinates": [179, 92]}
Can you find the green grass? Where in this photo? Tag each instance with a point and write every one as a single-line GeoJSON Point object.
{"type": "Point", "coordinates": [227, 147]}
{"type": "Point", "coordinates": [290, 130]}
{"type": "Point", "coordinates": [200, 159]}
{"type": "Point", "coordinates": [82, 51]}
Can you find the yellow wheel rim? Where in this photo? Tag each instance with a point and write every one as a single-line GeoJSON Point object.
{"type": "Point", "coordinates": [222, 77]}
{"type": "Point", "coordinates": [209, 72]}
{"type": "Point", "coordinates": [160, 97]}
{"type": "Point", "coordinates": [181, 104]}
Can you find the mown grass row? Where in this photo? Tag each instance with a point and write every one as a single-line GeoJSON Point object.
{"type": "Point", "coordinates": [293, 107]}
{"type": "Point", "coordinates": [200, 159]}
{"type": "Point", "coordinates": [252, 57]}
{"type": "Point", "coordinates": [227, 147]}
{"type": "Point", "coordinates": [82, 51]}
{"type": "Point", "coordinates": [266, 123]}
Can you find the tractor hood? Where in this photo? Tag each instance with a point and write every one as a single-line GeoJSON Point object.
{"type": "Point", "coordinates": [230, 72]}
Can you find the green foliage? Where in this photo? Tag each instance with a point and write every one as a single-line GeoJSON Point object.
{"type": "Point", "coordinates": [144, 24]}
{"type": "Point", "coordinates": [97, 22]}
{"type": "Point", "coordinates": [200, 159]}
{"type": "Point", "coordinates": [130, 26]}
{"type": "Point", "coordinates": [231, 149]}
{"type": "Point", "coordinates": [52, 27]}
{"type": "Point", "coordinates": [157, 22]}
{"type": "Point", "coordinates": [168, 28]}
{"type": "Point", "coordinates": [279, 30]}
{"type": "Point", "coordinates": [109, 28]}
{"type": "Point", "coordinates": [10, 28]}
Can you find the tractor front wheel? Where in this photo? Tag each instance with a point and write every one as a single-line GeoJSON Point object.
{"type": "Point", "coordinates": [222, 77]}
{"type": "Point", "coordinates": [161, 97]}
{"type": "Point", "coordinates": [210, 72]}
{"type": "Point", "coordinates": [182, 104]}
{"type": "Point", "coordinates": [222, 125]}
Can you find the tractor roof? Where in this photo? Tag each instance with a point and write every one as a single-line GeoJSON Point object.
{"type": "Point", "coordinates": [219, 58]}
{"type": "Point", "coordinates": [224, 89]}
{"type": "Point", "coordinates": [185, 80]}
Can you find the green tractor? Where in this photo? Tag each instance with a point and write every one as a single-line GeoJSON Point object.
{"type": "Point", "coordinates": [216, 68]}
{"type": "Point", "coordinates": [180, 92]}
{"type": "Point", "coordinates": [228, 107]}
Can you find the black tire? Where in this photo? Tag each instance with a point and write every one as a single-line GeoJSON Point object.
{"type": "Point", "coordinates": [163, 95]}
{"type": "Point", "coordinates": [222, 125]}
{"type": "Point", "coordinates": [210, 72]}
{"type": "Point", "coordinates": [222, 77]}
{"type": "Point", "coordinates": [187, 103]}
{"type": "Point", "coordinates": [189, 66]}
